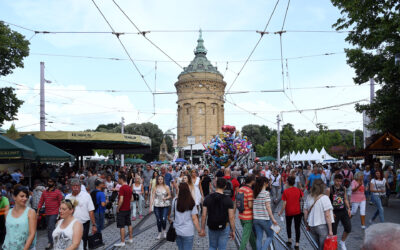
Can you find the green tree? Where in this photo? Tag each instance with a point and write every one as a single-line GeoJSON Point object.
{"type": "Point", "coordinates": [9, 104]}
{"type": "Point", "coordinates": [106, 127]}
{"type": "Point", "coordinates": [12, 132]}
{"type": "Point", "coordinates": [375, 38]}
{"type": "Point", "coordinates": [13, 49]}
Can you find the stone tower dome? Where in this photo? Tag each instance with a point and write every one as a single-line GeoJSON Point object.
{"type": "Point", "coordinates": [200, 88]}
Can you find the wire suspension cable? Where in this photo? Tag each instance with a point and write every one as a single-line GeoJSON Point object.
{"type": "Point", "coordinates": [123, 46]}
{"type": "Point", "coordinates": [255, 47]}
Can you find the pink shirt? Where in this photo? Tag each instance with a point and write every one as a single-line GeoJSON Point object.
{"type": "Point", "coordinates": [359, 195]}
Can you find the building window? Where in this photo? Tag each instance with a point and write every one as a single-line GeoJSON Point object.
{"type": "Point", "coordinates": [200, 111]}
{"type": "Point", "coordinates": [213, 111]}
{"type": "Point", "coordinates": [187, 111]}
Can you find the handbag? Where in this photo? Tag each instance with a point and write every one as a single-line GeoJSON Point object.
{"type": "Point", "coordinates": [95, 240]}
{"type": "Point", "coordinates": [135, 196]}
{"type": "Point", "coordinates": [171, 234]}
{"type": "Point", "coordinates": [330, 243]}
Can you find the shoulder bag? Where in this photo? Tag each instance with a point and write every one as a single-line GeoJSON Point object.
{"type": "Point", "coordinates": [171, 234]}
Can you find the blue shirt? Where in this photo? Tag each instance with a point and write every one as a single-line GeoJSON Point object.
{"type": "Point", "coordinates": [100, 197]}
{"type": "Point", "coordinates": [312, 178]}
{"type": "Point", "coordinates": [168, 179]}
{"type": "Point", "coordinates": [16, 177]}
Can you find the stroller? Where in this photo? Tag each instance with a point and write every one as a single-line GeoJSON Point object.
{"type": "Point", "coordinates": [110, 206]}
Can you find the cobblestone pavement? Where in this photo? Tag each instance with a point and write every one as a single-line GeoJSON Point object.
{"type": "Point", "coordinates": [147, 239]}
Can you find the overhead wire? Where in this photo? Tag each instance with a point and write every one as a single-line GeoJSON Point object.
{"type": "Point", "coordinates": [255, 47]}
{"type": "Point", "coordinates": [123, 46]}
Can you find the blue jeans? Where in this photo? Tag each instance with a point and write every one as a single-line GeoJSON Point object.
{"type": "Point", "coordinates": [51, 221]}
{"type": "Point", "coordinates": [262, 226]}
{"type": "Point", "coordinates": [99, 218]}
{"type": "Point", "coordinates": [218, 238]}
{"type": "Point", "coordinates": [184, 242]}
{"type": "Point", "coordinates": [379, 208]}
{"type": "Point", "coordinates": [161, 214]}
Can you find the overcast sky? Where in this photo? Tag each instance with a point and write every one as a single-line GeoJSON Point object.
{"type": "Point", "coordinates": [76, 99]}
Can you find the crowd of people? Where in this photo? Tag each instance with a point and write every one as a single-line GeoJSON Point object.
{"type": "Point", "coordinates": [74, 203]}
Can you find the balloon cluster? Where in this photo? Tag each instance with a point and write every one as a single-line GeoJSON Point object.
{"type": "Point", "coordinates": [227, 148]}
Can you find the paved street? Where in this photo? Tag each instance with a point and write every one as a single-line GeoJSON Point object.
{"type": "Point", "coordinates": [147, 238]}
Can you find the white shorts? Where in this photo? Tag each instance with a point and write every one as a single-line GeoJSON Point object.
{"type": "Point", "coordinates": [355, 205]}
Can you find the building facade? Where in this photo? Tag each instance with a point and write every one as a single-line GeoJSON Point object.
{"type": "Point", "coordinates": [200, 88]}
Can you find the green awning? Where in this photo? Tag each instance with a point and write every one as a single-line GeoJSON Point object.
{"type": "Point", "coordinates": [13, 150]}
{"type": "Point", "coordinates": [266, 158]}
{"type": "Point", "coordinates": [135, 161]}
{"type": "Point", "coordinates": [45, 152]}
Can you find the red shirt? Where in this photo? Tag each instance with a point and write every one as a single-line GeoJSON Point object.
{"type": "Point", "coordinates": [292, 197]}
{"type": "Point", "coordinates": [235, 185]}
{"type": "Point", "coordinates": [52, 201]}
{"type": "Point", "coordinates": [126, 192]}
{"type": "Point", "coordinates": [248, 196]}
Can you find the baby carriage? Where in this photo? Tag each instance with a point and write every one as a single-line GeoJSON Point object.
{"type": "Point", "coordinates": [110, 206]}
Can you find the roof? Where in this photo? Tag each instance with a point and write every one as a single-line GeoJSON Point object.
{"type": "Point", "coordinates": [386, 143]}
{"type": "Point", "coordinates": [10, 149]}
{"type": "Point", "coordinates": [44, 151]}
{"type": "Point", "coordinates": [83, 142]}
{"type": "Point", "coordinates": [200, 62]}
{"type": "Point", "coordinates": [2, 131]}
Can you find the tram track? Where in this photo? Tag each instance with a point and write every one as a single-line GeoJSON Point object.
{"type": "Point", "coordinates": [136, 231]}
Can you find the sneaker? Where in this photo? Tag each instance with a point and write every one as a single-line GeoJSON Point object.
{"type": "Point", "coordinates": [165, 235]}
{"type": "Point", "coordinates": [343, 245]}
{"type": "Point", "coordinates": [370, 221]}
{"type": "Point", "coordinates": [133, 218]}
{"type": "Point", "coordinates": [140, 216]}
{"type": "Point", "coordinates": [363, 227]}
{"type": "Point", "coordinates": [371, 203]}
{"type": "Point", "coordinates": [121, 244]}
{"type": "Point", "coordinates": [49, 246]}
{"type": "Point", "coordinates": [130, 241]}
{"type": "Point", "coordinates": [159, 236]}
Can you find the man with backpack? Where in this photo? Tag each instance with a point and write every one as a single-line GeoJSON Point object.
{"type": "Point", "coordinates": [341, 208]}
{"type": "Point", "coordinates": [219, 212]}
{"type": "Point", "coordinates": [244, 203]}
{"type": "Point", "coordinates": [232, 185]}
{"type": "Point", "coordinates": [99, 202]}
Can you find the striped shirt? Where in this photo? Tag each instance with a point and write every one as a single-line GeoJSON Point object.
{"type": "Point", "coordinates": [52, 200]}
{"type": "Point", "coordinates": [248, 196]}
{"type": "Point", "coordinates": [259, 207]}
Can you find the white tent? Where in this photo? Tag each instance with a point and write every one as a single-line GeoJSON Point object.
{"type": "Point", "coordinates": [325, 156]}
{"type": "Point", "coordinates": [316, 156]}
{"type": "Point", "coordinates": [303, 156]}
{"type": "Point", "coordinates": [292, 155]}
{"type": "Point", "coordinates": [308, 155]}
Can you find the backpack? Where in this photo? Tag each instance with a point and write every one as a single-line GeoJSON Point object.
{"type": "Point", "coordinates": [229, 188]}
{"type": "Point", "coordinates": [346, 180]}
{"type": "Point", "coordinates": [241, 180]}
{"type": "Point", "coordinates": [218, 218]}
{"type": "Point", "coordinates": [239, 199]}
{"type": "Point", "coordinates": [93, 194]}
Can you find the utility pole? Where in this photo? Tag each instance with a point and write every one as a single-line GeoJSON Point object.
{"type": "Point", "coordinates": [354, 139]}
{"type": "Point", "coordinates": [42, 105]}
{"type": "Point", "coordinates": [278, 120]}
{"type": "Point", "coordinates": [122, 132]}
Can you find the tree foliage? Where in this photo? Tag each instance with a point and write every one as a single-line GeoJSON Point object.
{"type": "Point", "coordinates": [148, 129]}
{"type": "Point", "coordinates": [9, 104]}
{"type": "Point", "coordinates": [375, 35]}
{"type": "Point", "coordinates": [337, 142]}
{"type": "Point", "coordinates": [13, 49]}
{"type": "Point", "coordinates": [12, 132]}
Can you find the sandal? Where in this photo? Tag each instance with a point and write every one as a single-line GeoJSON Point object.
{"type": "Point", "coordinates": [289, 243]}
{"type": "Point", "coordinates": [296, 247]}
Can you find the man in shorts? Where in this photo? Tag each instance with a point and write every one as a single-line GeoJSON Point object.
{"type": "Point", "coordinates": [147, 174]}
{"type": "Point", "coordinates": [124, 210]}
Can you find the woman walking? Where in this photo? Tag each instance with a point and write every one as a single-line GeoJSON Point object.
{"type": "Point", "coordinates": [20, 223]}
{"type": "Point", "coordinates": [197, 193]}
{"type": "Point", "coordinates": [185, 218]}
{"type": "Point", "coordinates": [358, 199]}
{"type": "Point", "coordinates": [291, 205]}
{"type": "Point", "coordinates": [68, 232]}
{"type": "Point", "coordinates": [378, 189]}
{"type": "Point", "coordinates": [137, 192]}
{"type": "Point", "coordinates": [318, 215]}
{"type": "Point", "coordinates": [160, 200]}
{"type": "Point", "coordinates": [262, 213]}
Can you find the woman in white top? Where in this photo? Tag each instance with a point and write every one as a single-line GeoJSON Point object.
{"type": "Point", "coordinates": [378, 189]}
{"type": "Point", "coordinates": [68, 233]}
{"type": "Point", "coordinates": [262, 213]}
{"type": "Point", "coordinates": [276, 183]}
{"type": "Point", "coordinates": [318, 215]}
{"type": "Point", "coordinates": [197, 193]}
{"type": "Point", "coordinates": [137, 188]}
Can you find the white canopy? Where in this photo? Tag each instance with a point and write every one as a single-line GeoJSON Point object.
{"type": "Point", "coordinates": [325, 155]}
{"type": "Point", "coordinates": [197, 146]}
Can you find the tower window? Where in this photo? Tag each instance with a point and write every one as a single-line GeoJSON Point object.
{"type": "Point", "coordinates": [187, 111]}
{"type": "Point", "coordinates": [200, 111]}
{"type": "Point", "coordinates": [213, 111]}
